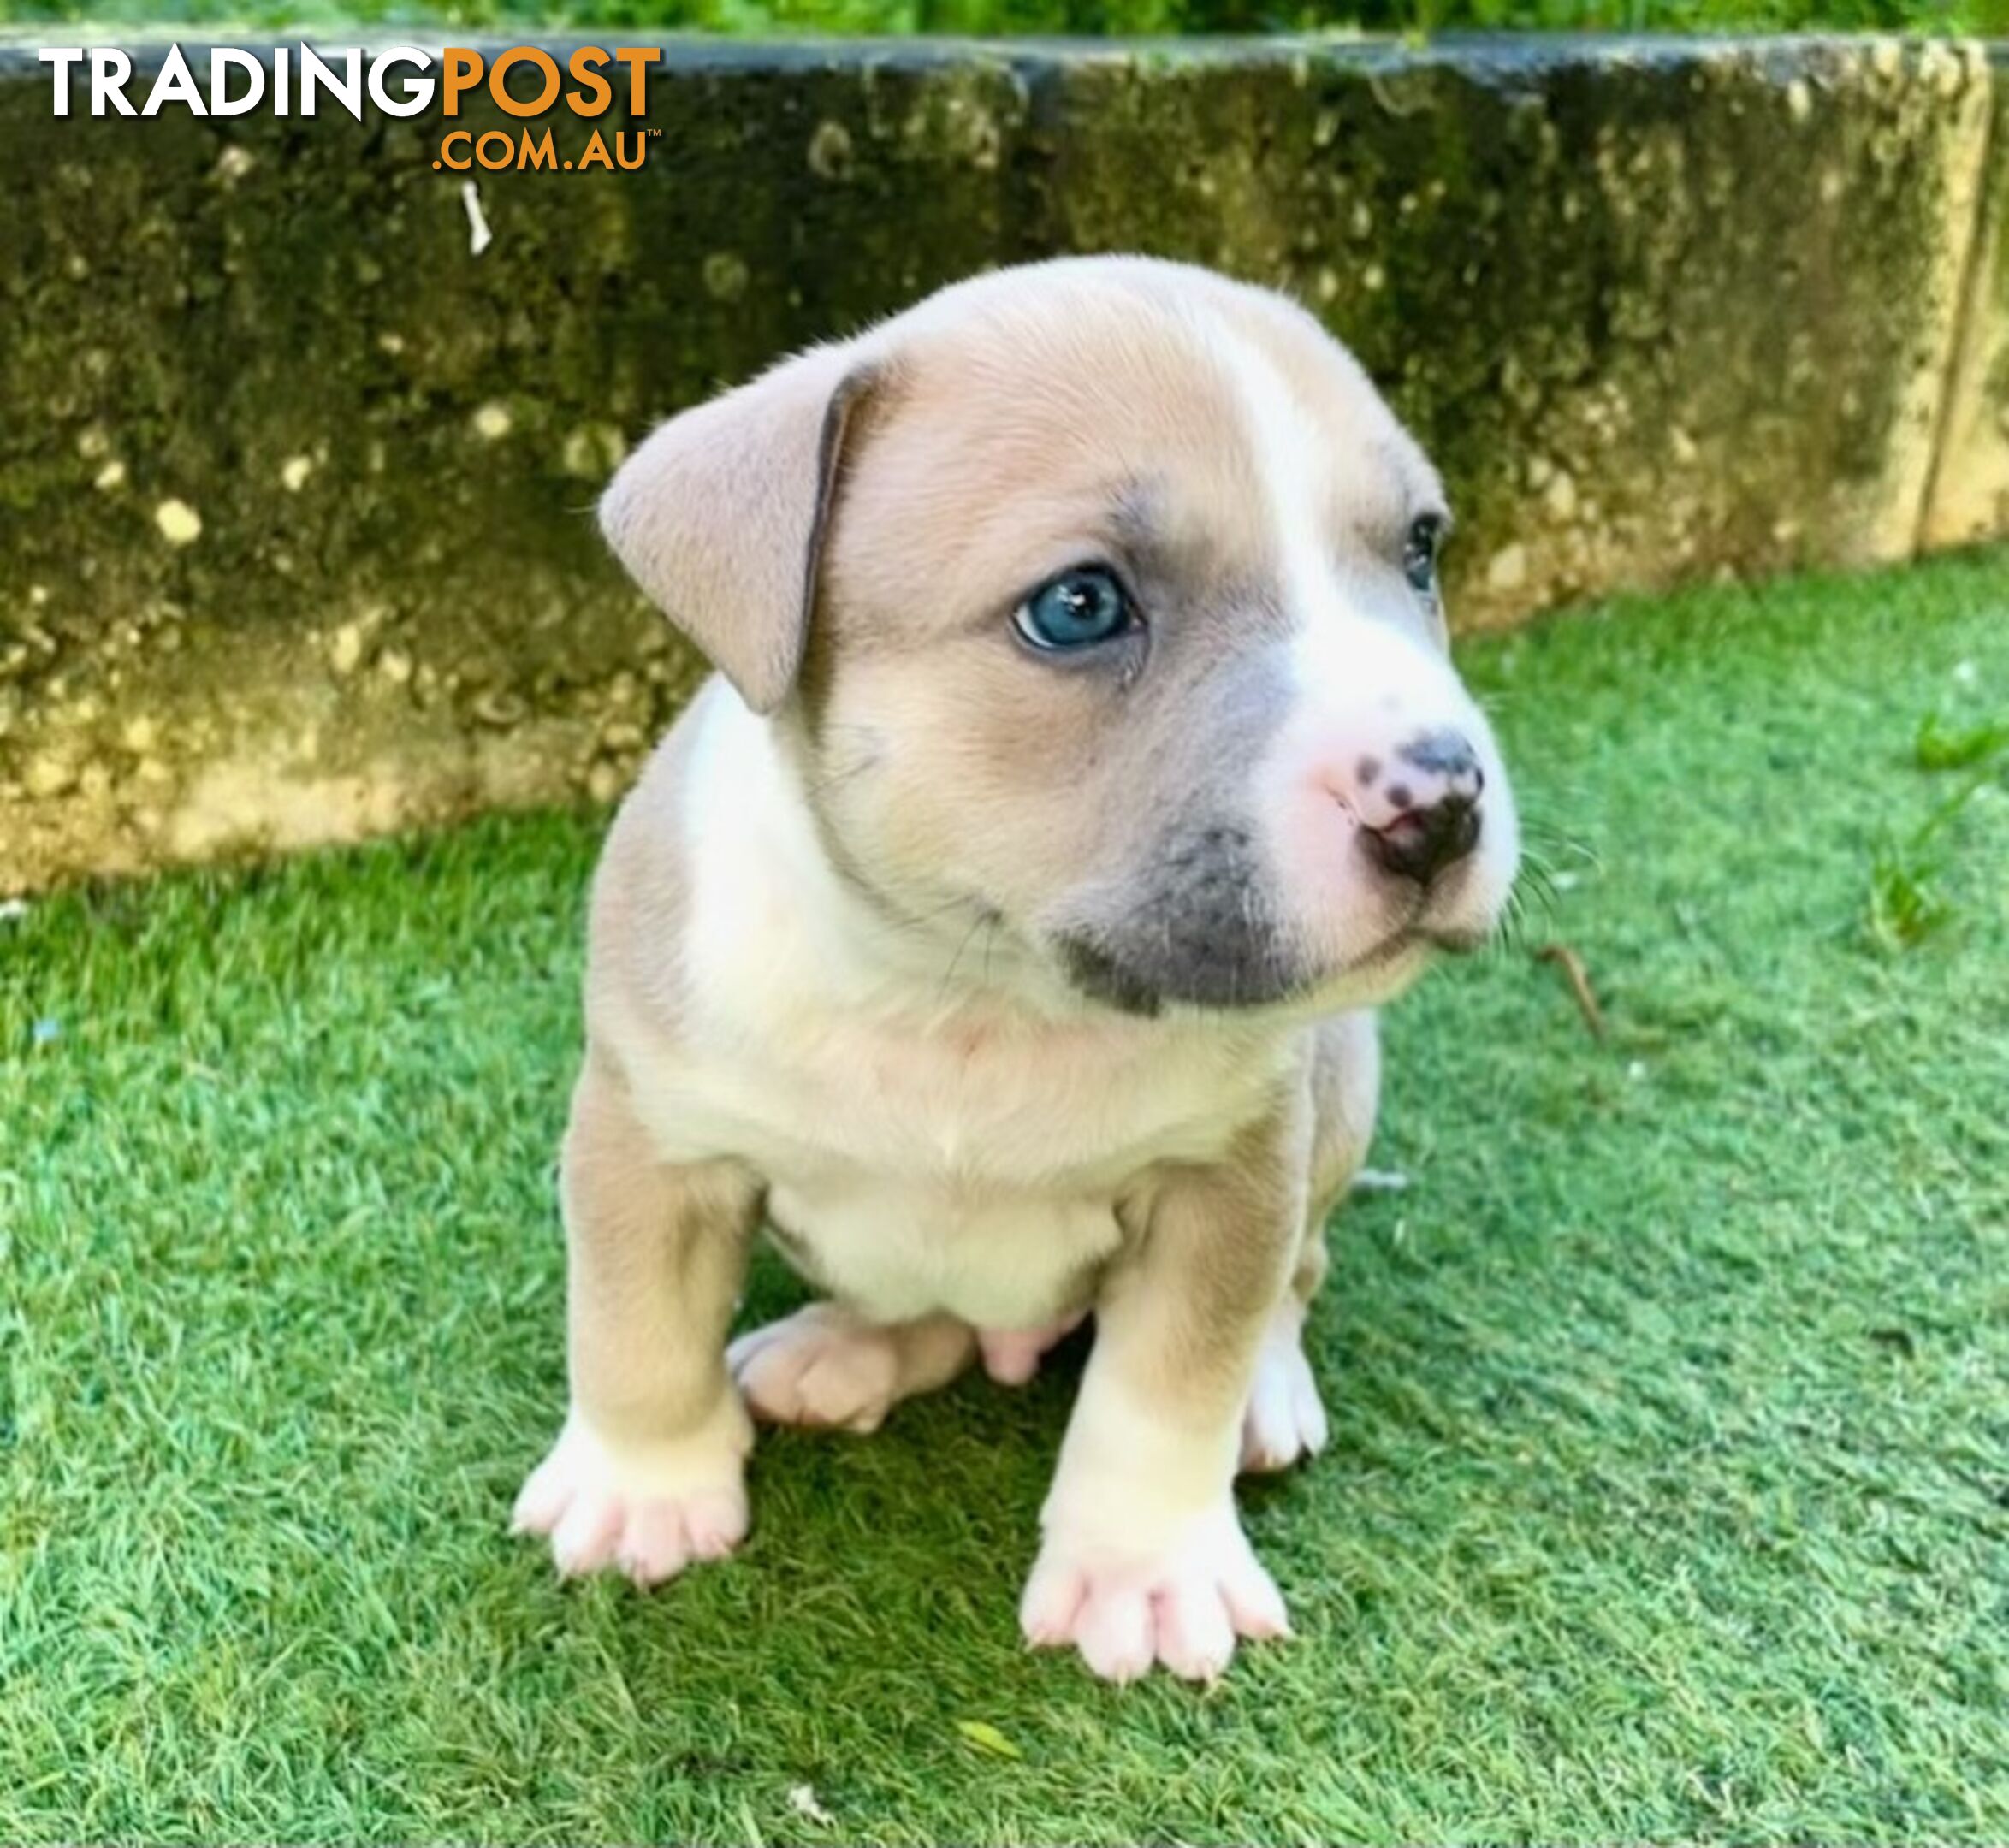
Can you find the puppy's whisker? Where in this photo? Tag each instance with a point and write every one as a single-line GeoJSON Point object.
{"type": "Point", "coordinates": [948, 978]}
{"type": "Point", "coordinates": [823, 785]}
{"type": "Point", "coordinates": [1510, 934]}
{"type": "Point", "coordinates": [1530, 897]}
{"type": "Point", "coordinates": [1536, 834]}
{"type": "Point", "coordinates": [1539, 881]}
{"type": "Point", "coordinates": [904, 922]}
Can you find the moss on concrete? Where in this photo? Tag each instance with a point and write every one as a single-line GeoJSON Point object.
{"type": "Point", "coordinates": [295, 487]}
{"type": "Point", "coordinates": [1665, 311]}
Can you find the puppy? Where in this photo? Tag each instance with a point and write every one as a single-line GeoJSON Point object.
{"type": "Point", "coordinates": [1000, 928]}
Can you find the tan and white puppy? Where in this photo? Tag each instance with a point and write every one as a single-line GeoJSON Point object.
{"type": "Point", "coordinates": [1000, 929]}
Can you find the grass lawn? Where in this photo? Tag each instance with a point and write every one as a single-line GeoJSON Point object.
{"type": "Point", "coordinates": [1668, 1490]}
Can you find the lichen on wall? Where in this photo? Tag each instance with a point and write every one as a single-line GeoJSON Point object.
{"type": "Point", "coordinates": [295, 487]}
{"type": "Point", "coordinates": [1660, 312]}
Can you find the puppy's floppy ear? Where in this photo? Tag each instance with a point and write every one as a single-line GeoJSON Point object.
{"type": "Point", "coordinates": [721, 514]}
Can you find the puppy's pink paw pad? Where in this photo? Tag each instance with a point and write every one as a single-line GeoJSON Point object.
{"type": "Point", "coordinates": [1183, 1608]}
{"type": "Point", "coordinates": [715, 1523]}
{"type": "Point", "coordinates": [641, 1522]}
{"type": "Point", "coordinates": [587, 1534]}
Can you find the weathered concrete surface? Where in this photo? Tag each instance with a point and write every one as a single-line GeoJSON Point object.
{"type": "Point", "coordinates": [1658, 312]}
{"type": "Point", "coordinates": [294, 487]}
{"type": "Point", "coordinates": [1969, 497]}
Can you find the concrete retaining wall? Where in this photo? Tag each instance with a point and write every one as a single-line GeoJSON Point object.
{"type": "Point", "coordinates": [295, 542]}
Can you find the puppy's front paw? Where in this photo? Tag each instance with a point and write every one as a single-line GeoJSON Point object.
{"type": "Point", "coordinates": [1183, 1604]}
{"type": "Point", "coordinates": [1284, 1420]}
{"type": "Point", "coordinates": [648, 1514]}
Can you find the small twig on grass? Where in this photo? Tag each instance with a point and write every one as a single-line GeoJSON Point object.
{"type": "Point", "coordinates": [803, 1799]}
{"type": "Point", "coordinates": [1571, 966]}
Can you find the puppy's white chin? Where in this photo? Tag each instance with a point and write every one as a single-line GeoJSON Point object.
{"type": "Point", "coordinates": [1373, 982]}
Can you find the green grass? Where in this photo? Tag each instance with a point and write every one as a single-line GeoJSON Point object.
{"type": "Point", "coordinates": [1668, 1490]}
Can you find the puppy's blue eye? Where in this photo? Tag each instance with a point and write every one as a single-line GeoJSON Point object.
{"type": "Point", "coordinates": [1077, 609]}
{"type": "Point", "coordinates": [1420, 549]}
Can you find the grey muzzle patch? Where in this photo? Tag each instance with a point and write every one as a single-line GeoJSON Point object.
{"type": "Point", "coordinates": [1192, 918]}
{"type": "Point", "coordinates": [1200, 931]}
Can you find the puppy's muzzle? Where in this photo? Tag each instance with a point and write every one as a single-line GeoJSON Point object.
{"type": "Point", "coordinates": [1423, 815]}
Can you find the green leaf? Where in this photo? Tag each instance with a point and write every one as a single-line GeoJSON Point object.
{"type": "Point", "coordinates": [986, 1737]}
{"type": "Point", "coordinates": [1942, 746]}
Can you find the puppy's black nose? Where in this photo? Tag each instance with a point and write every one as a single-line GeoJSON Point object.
{"type": "Point", "coordinates": [1436, 798]}
{"type": "Point", "coordinates": [1421, 843]}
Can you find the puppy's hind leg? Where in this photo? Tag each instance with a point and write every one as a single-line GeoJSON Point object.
{"type": "Point", "coordinates": [827, 1367]}
{"type": "Point", "coordinates": [1285, 1419]}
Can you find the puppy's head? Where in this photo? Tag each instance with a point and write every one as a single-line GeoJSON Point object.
{"type": "Point", "coordinates": [1099, 600]}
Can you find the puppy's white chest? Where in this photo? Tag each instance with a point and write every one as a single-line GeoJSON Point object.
{"type": "Point", "coordinates": [897, 1250]}
{"type": "Point", "coordinates": [923, 1149]}
{"type": "Point", "coordinates": [969, 1171]}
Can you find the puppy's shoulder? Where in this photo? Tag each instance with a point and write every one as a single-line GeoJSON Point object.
{"type": "Point", "coordinates": [637, 980]}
